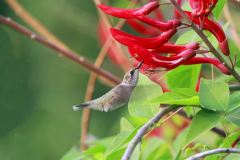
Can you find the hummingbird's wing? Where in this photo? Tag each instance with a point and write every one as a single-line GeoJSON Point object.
{"type": "Point", "coordinates": [113, 99]}
{"type": "Point", "coordinates": [118, 96]}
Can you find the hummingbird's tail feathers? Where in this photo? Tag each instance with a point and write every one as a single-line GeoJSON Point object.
{"type": "Point", "coordinates": [79, 106]}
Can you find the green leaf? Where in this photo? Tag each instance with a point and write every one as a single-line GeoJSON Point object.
{"type": "Point", "coordinates": [178, 143]}
{"type": "Point", "coordinates": [184, 38]}
{"type": "Point", "coordinates": [119, 153]}
{"type": "Point", "coordinates": [73, 154]}
{"type": "Point", "coordinates": [201, 123]}
{"type": "Point", "coordinates": [234, 101]}
{"type": "Point", "coordinates": [229, 140]}
{"type": "Point", "coordinates": [138, 105]}
{"type": "Point", "coordinates": [234, 116]}
{"type": "Point", "coordinates": [183, 77]}
{"type": "Point", "coordinates": [126, 125]}
{"type": "Point", "coordinates": [218, 8]}
{"type": "Point", "coordinates": [99, 146]}
{"type": "Point", "coordinates": [122, 137]}
{"type": "Point", "coordinates": [183, 96]}
{"type": "Point", "coordinates": [155, 149]}
{"type": "Point", "coordinates": [116, 154]}
{"type": "Point", "coordinates": [214, 95]}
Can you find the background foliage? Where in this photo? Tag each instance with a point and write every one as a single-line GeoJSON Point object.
{"type": "Point", "coordinates": [38, 88]}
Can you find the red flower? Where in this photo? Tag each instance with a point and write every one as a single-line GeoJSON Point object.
{"type": "Point", "coordinates": [215, 29]}
{"type": "Point", "coordinates": [202, 8]}
{"type": "Point", "coordinates": [140, 14]}
{"type": "Point", "coordinates": [157, 52]}
{"type": "Point", "coordinates": [150, 43]}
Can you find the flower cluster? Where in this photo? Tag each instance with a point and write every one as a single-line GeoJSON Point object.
{"type": "Point", "coordinates": [158, 52]}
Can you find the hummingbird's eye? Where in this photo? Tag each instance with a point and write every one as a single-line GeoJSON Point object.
{"type": "Point", "coordinates": [131, 72]}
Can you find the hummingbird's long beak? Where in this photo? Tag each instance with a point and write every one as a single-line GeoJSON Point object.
{"type": "Point", "coordinates": [139, 65]}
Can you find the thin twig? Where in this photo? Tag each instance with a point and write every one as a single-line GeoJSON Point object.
{"type": "Point", "coordinates": [40, 28]}
{"type": "Point", "coordinates": [234, 87]}
{"type": "Point", "coordinates": [61, 51]}
{"type": "Point", "coordinates": [33, 22]}
{"type": "Point", "coordinates": [143, 130]}
{"type": "Point", "coordinates": [206, 41]}
{"type": "Point", "coordinates": [213, 151]}
{"type": "Point", "coordinates": [107, 25]}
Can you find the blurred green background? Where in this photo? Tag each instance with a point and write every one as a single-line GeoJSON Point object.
{"type": "Point", "coordinates": [38, 88]}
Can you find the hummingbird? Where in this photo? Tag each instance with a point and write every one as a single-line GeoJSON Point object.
{"type": "Point", "coordinates": [116, 97]}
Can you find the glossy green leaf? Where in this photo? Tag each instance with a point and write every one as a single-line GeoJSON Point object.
{"type": "Point", "coordinates": [201, 123]}
{"type": "Point", "coordinates": [73, 154]}
{"type": "Point", "coordinates": [116, 154]}
{"type": "Point", "coordinates": [229, 140]}
{"type": "Point", "coordinates": [234, 116]}
{"type": "Point", "coordinates": [180, 97]}
{"type": "Point", "coordinates": [218, 8]}
{"type": "Point", "coordinates": [121, 138]}
{"type": "Point", "coordinates": [138, 105]}
{"type": "Point", "coordinates": [234, 101]}
{"type": "Point", "coordinates": [183, 77]}
{"type": "Point", "coordinates": [126, 125]}
{"type": "Point", "coordinates": [184, 38]}
{"type": "Point", "coordinates": [99, 146]}
{"type": "Point", "coordinates": [214, 95]}
{"type": "Point", "coordinates": [155, 149]}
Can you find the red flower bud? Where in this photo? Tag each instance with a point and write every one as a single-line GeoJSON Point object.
{"type": "Point", "coordinates": [214, 61]}
{"type": "Point", "coordinates": [202, 7]}
{"type": "Point", "coordinates": [129, 13]}
{"type": "Point", "coordinates": [158, 24]}
{"type": "Point", "coordinates": [153, 61]}
{"type": "Point", "coordinates": [130, 40]}
{"type": "Point", "coordinates": [172, 48]}
{"type": "Point", "coordinates": [140, 14]}
{"type": "Point", "coordinates": [187, 54]}
{"type": "Point", "coordinates": [216, 30]}
{"type": "Point", "coordinates": [148, 8]}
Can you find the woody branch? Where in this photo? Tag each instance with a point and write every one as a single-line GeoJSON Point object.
{"type": "Point", "coordinates": [61, 51]}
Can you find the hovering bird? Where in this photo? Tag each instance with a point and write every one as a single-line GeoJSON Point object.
{"type": "Point", "coordinates": [116, 97]}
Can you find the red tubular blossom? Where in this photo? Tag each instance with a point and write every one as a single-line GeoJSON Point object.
{"type": "Point", "coordinates": [214, 61]}
{"type": "Point", "coordinates": [158, 24]}
{"type": "Point", "coordinates": [142, 52]}
{"type": "Point", "coordinates": [187, 54]}
{"type": "Point", "coordinates": [129, 13]}
{"type": "Point", "coordinates": [151, 60]}
{"type": "Point", "coordinates": [216, 30]}
{"type": "Point", "coordinates": [202, 7]}
{"type": "Point", "coordinates": [148, 8]}
{"type": "Point", "coordinates": [172, 48]}
{"type": "Point", "coordinates": [140, 14]}
{"type": "Point", "coordinates": [149, 43]}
